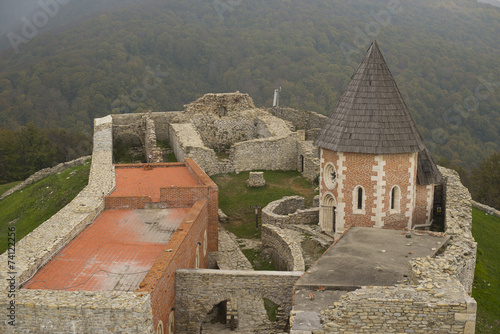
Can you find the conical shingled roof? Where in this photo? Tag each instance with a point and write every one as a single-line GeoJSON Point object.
{"type": "Point", "coordinates": [371, 116]}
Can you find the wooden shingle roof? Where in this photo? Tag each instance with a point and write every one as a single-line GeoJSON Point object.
{"type": "Point", "coordinates": [427, 171]}
{"type": "Point", "coordinates": [371, 116]}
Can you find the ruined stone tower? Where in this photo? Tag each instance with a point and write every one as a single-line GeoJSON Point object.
{"type": "Point", "coordinates": [375, 168]}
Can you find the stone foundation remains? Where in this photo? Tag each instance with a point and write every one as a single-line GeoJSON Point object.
{"type": "Point", "coordinates": [289, 210]}
{"type": "Point", "coordinates": [256, 180]}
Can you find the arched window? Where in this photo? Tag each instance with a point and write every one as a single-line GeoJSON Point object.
{"type": "Point", "coordinates": [395, 198]}
{"type": "Point", "coordinates": [358, 200]}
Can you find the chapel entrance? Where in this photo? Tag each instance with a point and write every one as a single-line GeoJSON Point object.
{"type": "Point", "coordinates": [328, 214]}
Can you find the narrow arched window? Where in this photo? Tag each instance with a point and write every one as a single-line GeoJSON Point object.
{"type": "Point", "coordinates": [395, 198]}
{"type": "Point", "coordinates": [360, 198]}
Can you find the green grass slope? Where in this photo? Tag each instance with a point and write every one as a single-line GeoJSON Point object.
{"type": "Point", "coordinates": [26, 209]}
{"type": "Point", "coordinates": [7, 186]}
{"type": "Point", "coordinates": [486, 290]}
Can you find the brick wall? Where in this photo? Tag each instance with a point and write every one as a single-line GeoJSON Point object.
{"type": "Point", "coordinates": [423, 204]}
{"type": "Point", "coordinates": [213, 203]}
{"type": "Point", "coordinates": [377, 175]}
{"type": "Point", "coordinates": [180, 252]}
{"type": "Point", "coordinates": [182, 197]}
{"type": "Point", "coordinates": [126, 203]}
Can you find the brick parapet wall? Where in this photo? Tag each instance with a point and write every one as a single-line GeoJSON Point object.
{"type": "Point", "coordinates": [126, 203]}
{"type": "Point", "coordinates": [438, 300]}
{"type": "Point", "coordinates": [179, 252]}
{"type": "Point", "coordinates": [286, 252]}
{"type": "Point", "coordinates": [194, 300]}
{"type": "Point", "coordinates": [289, 210]}
{"type": "Point", "coordinates": [182, 197]}
{"type": "Point", "coordinates": [213, 203]}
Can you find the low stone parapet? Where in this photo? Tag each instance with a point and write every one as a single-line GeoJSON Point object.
{"type": "Point", "coordinates": [289, 210]}
{"type": "Point", "coordinates": [285, 251]}
{"type": "Point", "coordinates": [488, 209]}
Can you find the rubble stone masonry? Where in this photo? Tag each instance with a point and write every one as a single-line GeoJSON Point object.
{"type": "Point", "coordinates": [438, 297]}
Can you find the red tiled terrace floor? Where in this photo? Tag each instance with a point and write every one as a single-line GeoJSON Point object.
{"type": "Point", "coordinates": [114, 253]}
{"type": "Point", "coordinates": [132, 181]}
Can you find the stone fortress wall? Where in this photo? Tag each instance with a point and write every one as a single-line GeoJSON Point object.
{"type": "Point", "coordinates": [45, 311]}
{"type": "Point", "coordinates": [194, 300]}
{"type": "Point", "coordinates": [226, 133]}
{"type": "Point", "coordinates": [438, 297]}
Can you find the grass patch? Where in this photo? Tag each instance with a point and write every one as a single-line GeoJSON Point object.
{"type": "Point", "coordinates": [165, 144]}
{"type": "Point", "coordinates": [26, 209]}
{"type": "Point", "coordinates": [257, 260]}
{"type": "Point", "coordinates": [7, 186]}
{"type": "Point", "coordinates": [236, 199]}
{"type": "Point", "coordinates": [486, 289]}
{"type": "Point", "coordinates": [271, 309]}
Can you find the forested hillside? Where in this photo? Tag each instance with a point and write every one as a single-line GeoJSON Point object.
{"type": "Point", "coordinates": [159, 55]}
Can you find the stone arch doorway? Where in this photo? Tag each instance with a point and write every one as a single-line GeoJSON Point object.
{"type": "Point", "coordinates": [328, 214]}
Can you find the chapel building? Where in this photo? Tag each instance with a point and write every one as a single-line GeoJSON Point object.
{"type": "Point", "coordinates": [375, 170]}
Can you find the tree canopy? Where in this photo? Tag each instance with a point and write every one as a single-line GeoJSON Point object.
{"type": "Point", "coordinates": [161, 55]}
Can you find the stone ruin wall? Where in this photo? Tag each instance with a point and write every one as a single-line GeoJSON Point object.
{"type": "Point", "coordinates": [284, 250]}
{"type": "Point", "coordinates": [193, 300]}
{"type": "Point", "coordinates": [228, 123]}
{"type": "Point", "coordinates": [58, 312]}
{"type": "Point", "coordinates": [289, 210]}
{"type": "Point", "coordinates": [308, 160]}
{"type": "Point", "coordinates": [303, 120]}
{"type": "Point", "coordinates": [438, 299]}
